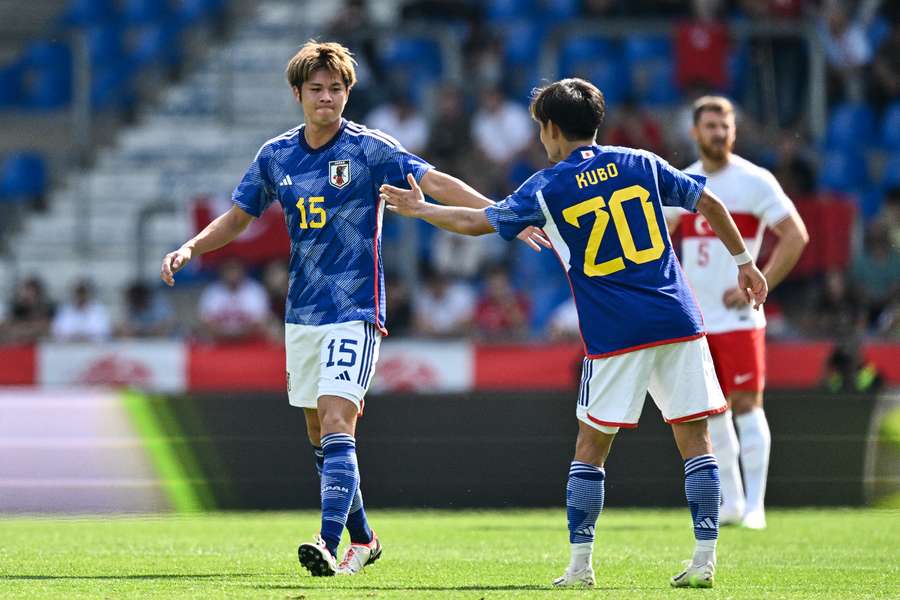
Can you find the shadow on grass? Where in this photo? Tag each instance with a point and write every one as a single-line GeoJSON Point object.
{"type": "Point", "coordinates": [126, 577]}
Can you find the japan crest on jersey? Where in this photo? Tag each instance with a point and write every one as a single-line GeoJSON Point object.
{"type": "Point", "coordinates": [339, 173]}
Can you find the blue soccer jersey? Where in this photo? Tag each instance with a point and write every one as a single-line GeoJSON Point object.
{"type": "Point", "coordinates": [329, 196]}
{"type": "Point", "coordinates": [602, 209]}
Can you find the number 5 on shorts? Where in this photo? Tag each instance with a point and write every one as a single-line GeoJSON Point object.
{"type": "Point", "coordinates": [345, 349]}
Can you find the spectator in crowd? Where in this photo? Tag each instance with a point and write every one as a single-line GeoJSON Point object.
{"type": "Point", "coordinates": [563, 324]}
{"type": "Point", "coordinates": [885, 82]}
{"type": "Point", "coordinates": [147, 314]}
{"type": "Point", "coordinates": [636, 128]}
{"type": "Point", "coordinates": [483, 55]}
{"type": "Point", "coordinates": [847, 371]}
{"type": "Point", "coordinates": [701, 48]}
{"type": "Point", "coordinates": [847, 50]}
{"type": "Point", "coordinates": [501, 129]}
{"type": "Point", "coordinates": [501, 313]}
{"type": "Point", "coordinates": [401, 119]}
{"type": "Point", "coordinates": [235, 308]}
{"type": "Point", "coordinates": [876, 274]}
{"type": "Point", "coordinates": [398, 298]}
{"type": "Point", "coordinates": [837, 308]}
{"type": "Point", "coordinates": [275, 281]}
{"type": "Point", "coordinates": [443, 308]}
{"type": "Point", "coordinates": [795, 165]}
{"type": "Point", "coordinates": [30, 314]}
{"type": "Point", "coordinates": [83, 318]}
{"type": "Point", "coordinates": [352, 26]}
{"type": "Point", "coordinates": [450, 137]}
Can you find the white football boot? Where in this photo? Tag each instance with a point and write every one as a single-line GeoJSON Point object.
{"type": "Point", "coordinates": [583, 578]}
{"type": "Point", "coordinates": [358, 556]}
{"type": "Point", "coordinates": [754, 520]}
{"type": "Point", "coordinates": [695, 576]}
{"type": "Point", "coordinates": [315, 558]}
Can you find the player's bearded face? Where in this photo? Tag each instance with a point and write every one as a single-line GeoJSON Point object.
{"type": "Point", "coordinates": [715, 135]}
{"type": "Point", "coordinates": [323, 97]}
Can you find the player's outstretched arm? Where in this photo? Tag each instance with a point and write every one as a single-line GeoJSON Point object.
{"type": "Point", "coordinates": [411, 203]}
{"type": "Point", "coordinates": [453, 191]}
{"type": "Point", "coordinates": [220, 232]}
{"type": "Point", "coordinates": [750, 280]}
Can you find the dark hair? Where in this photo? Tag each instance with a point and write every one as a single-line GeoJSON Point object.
{"type": "Point", "coordinates": [576, 106]}
{"type": "Point", "coordinates": [321, 55]}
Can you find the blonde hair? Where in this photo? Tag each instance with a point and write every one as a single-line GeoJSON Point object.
{"type": "Point", "coordinates": [719, 104]}
{"type": "Point", "coordinates": [321, 55]}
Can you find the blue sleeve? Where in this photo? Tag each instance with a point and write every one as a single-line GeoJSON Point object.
{"type": "Point", "coordinates": [518, 210]}
{"type": "Point", "coordinates": [392, 162]}
{"type": "Point", "coordinates": [255, 192]}
{"type": "Point", "coordinates": [677, 188]}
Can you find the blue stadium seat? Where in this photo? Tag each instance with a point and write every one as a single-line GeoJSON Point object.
{"type": "Point", "coordinates": [155, 44]}
{"type": "Point", "coordinates": [84, 13]}
{"type": "Point", "coordinates": [577, 55]}
{"type": "Point", "coordinates": [639, 49]}
{"type": "Point", "coordinates": [507, 10]}
{"type": "Point", "coordinates": [104, 45]}
{"type": "Point", "coordinates": [870, 202]}
{"type": "Point", "coordinates": [890, 176]}
{"type": "Point", "coordinates": [23, 176]}
{"type": "Point", "coordinates": [110, 87]}
{"type": "Point", "coordinates": [850, 125]}
{"type": "Point", "coordinates": [560, 10]}
{"type": "Point", "coordinates": [522, 42]}
{"type": "Point", "coordinates": [611, 77]}
{"type": "Point", "coordinates": [192, 12]}
{"type": "Point", "coordinates": [653, 82]}
{"type": "Point", "coordinates": [48, 75]}
{"type": "Point", "coordinates": [419, 55]}
{"type": "Point", "coordinates": [843, 171]}
{"type": "Point", "coordinates": [890, 127]}
{"type": "Point", "coordinates": [11, 92]}
{"type": "Point", "coordinates": [142, 12]}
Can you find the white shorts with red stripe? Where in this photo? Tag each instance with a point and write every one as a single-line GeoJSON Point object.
{"type": "Point", "coordinates": [330, 360]}
{"type": "Point", "coordinates": [680, 377]}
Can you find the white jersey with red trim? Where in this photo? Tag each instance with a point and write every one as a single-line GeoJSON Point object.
{"type": "Point", "coordinates": [756, 201]}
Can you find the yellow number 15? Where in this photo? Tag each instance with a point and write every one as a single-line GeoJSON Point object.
{"type": "Point", "coordinates": [315, 211]}
{"type": "Point", "coordinates": [596, 206]}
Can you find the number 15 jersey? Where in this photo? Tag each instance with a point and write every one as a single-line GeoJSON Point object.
{"type": "Point", "coordinates": [602, 209]}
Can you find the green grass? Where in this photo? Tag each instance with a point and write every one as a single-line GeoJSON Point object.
{"type": "Point", "coordinates": [431, 554]}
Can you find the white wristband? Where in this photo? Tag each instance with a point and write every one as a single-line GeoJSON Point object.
{"type": "Point", "coordinates": [743, 258]}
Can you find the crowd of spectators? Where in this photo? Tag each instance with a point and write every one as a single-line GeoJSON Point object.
{"type": "Point", "coordinates": [483, 288]}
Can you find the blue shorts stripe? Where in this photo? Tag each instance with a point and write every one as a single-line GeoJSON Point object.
{"type": "Point", "coordinates": [364, 357]}
{"type": "Point", "coordinates": [370, 366]}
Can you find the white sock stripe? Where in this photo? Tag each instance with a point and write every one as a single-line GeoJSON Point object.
{"type": "Point", "coordinates": [334, 438]}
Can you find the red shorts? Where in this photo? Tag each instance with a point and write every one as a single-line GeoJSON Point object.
{"type": "Point", "coordinates": [740, 358]}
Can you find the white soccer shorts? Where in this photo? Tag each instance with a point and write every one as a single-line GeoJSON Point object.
{"type": "Point", "coordinates": [680, 377]}
{"type": "Point", "coordinates": [330, 360]}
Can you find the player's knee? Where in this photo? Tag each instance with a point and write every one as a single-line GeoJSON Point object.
{"type": "Point", "coordinates": [743, 401]}
{"type": "Point", "coordinates": [335, 422]}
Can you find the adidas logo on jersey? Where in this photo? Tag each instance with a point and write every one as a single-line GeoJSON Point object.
{"type": "Point", "coordinates": [286, 180]}
{"type": "Point", "coordinates": [706, 523]}
{"type": "Point", "coordinates": [344, 376]}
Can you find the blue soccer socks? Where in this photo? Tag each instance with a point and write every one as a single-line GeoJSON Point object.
{"type": "Point", "coordinates": [340, 482]}
{"type": "Point", "coordinates": [701, 486]}
{"type": "Point", "coordinates": [584, 501]}
{"type": "Point", "coordinates": [357, 522]}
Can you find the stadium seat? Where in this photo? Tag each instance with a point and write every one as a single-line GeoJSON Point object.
{"type": "Point", "coordinates": [104, 44]}
{"type": "Point", "coordinates": [143, 12]}
{"type": "Point", "coordinates": [155, 44]}
{"type": "Point", "coordinates": [11, 85]}
{"type": "Point", "coordinates": [419, 55]}
{"type": "Point", "coordinates": [843, 171]}
{"type": "Point", "coordinates": [84, 13]}
{"type": "Point", "coordinates": [507, 10]}
{"type": "Point", "coordinates": [611, 77]}
{"type": "Point", "coordinates": [850, 125]}
{"type": "Point", "coordinates": [577, 55]}
{"type": "Point", "coordinates": [48, 75]}
{"type": "Point", "coordinates": [23, 176]}
{"type": "Point", "coordinates": [559, 10]}
{"type": "Point", "coordinates": [890, 127]}
{"type": "Point", "coordinates": [649, 61]}
{"type": "Point", "coordinates": [870, 202]}
{"type": "Point", "coordinates": [638, 49]}
{"type": "Point", "coordinates": [890, 176]}
{"type": "Point", "coordinates": [522, 41]}
{"type": "Point", "coordinates": [192, 12]}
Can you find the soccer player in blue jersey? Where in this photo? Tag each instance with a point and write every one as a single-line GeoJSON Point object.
{"type": "Point", "coordinates": [601, 207]}
{"type": "Point", "coordinates": [325, 174]}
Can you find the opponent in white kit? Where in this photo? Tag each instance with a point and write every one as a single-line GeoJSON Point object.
{"type": "Point", "coordinates": [735, 332]}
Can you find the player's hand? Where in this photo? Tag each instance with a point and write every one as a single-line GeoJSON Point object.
{"type": "Point", "coordinates": [535, 238]}
{"type": "Point", "coordinates": [403, 202]}
{"type": "Point", "coordinates": [174, 262]}
{"type": "Point", "coordinates": [735, 298]}
{"type": "Point", "coordinates": [753, 283]}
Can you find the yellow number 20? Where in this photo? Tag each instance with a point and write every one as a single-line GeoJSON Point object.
{"type": "Point", "coordinates": [596, 206]}
{"type": "Point", "coordinates": [315, 211]}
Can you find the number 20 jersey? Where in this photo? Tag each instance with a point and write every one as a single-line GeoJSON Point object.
{"type": "Point", "coordinates": [602, 209]}
{"type": "Point", "coordinates": [329, 197]}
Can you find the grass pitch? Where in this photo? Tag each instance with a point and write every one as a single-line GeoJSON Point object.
{"type": "Point", "coordinates": [512, 553]}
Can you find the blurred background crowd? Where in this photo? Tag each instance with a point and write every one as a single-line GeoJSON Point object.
{"type": "Point", "coordinates": [780, 60]}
